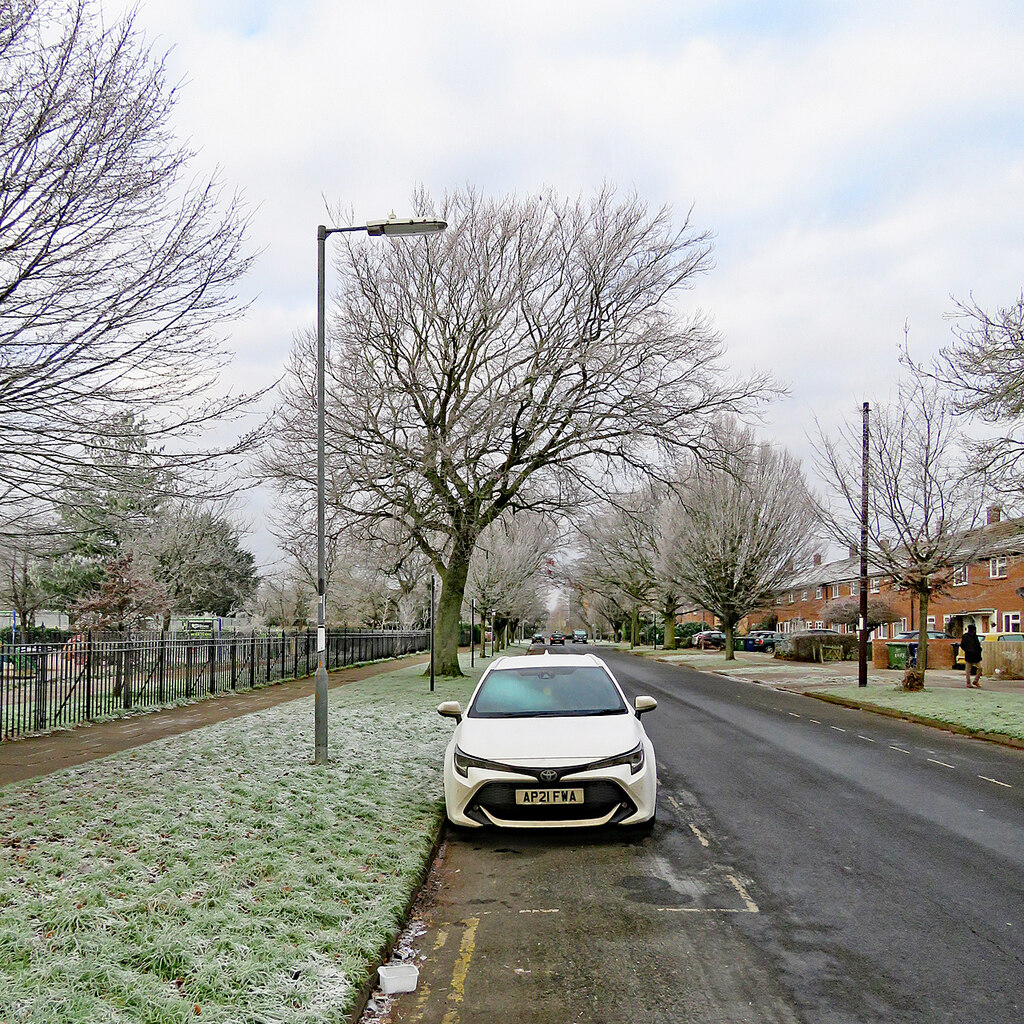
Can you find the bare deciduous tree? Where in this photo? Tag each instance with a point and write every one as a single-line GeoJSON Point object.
{"type": "Point", "coordinates": [745, 525]}
{"type": "Point", "coordinates": [506, 571]}
{"type": "Point", "coordinates": [620, 556]}
{"type": "Point", "coordinates": [923, 501]}
{"type": "Point", "coordinates": [117, 269]}
{"type": "Point", "coordinates": [985, 374]}
{"type": "Point", "coordinates": [502, 366]}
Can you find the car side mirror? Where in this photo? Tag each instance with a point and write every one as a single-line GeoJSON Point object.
{"type": "Point", "coordinates": [450, 709]}
{"type": "Point", "coordinates": [644, 704]}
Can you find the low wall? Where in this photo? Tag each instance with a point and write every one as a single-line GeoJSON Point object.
{"type": "Point", "coordinates": [940, 652]}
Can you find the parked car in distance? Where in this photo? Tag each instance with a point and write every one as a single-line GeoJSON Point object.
{"type": "Point", "coordinates": [713, 639]}
{"type": "Point", "coordinates": [558, 638]}
{"type": "Point", "coordinates": [987, 638]}
{"type": "Point", "coordinates": [912, 634]}
{"type": "Point", "coordinates": [538, 638]}
{"type": "Point", "coordinates": [766, 639]}
{"type": "Point", "coordinates": [816, 632]}
{"type": "Point", "coordinates": [549, 741]}
{"type": "Point", "coordinates": [579, 636]}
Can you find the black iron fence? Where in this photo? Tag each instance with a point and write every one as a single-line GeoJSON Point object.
{"type": "Point", "coordinates": [89, 676]}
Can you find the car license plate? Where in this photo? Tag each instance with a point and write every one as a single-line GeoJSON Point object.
{"type": "Point", "coordinates": [549, 796]}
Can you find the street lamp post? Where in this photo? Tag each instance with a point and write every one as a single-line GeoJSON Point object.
{"type": "Point", "coordinates": [390, 226]}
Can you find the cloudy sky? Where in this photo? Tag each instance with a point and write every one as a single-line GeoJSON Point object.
{"type": "Point", "coordinates": [859, 162]}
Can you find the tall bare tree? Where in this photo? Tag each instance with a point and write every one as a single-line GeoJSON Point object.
{"type": "Point", "coordinates": [117, 266]}
{"type": "Point", "coordinates": [504, 366]}
{"type": "Point", "coordinates": [984, 371]}
{"type": "Point", "coordinates": [745, 525]}
{"type": "Point", "coordinates": [923, 501]}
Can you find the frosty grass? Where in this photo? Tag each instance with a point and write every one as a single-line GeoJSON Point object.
{"type": "Point", "coordinates": [977, 710]}
{"type": "Point", "coordinates": [219, 875]}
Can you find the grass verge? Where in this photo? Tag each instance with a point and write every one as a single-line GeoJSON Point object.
{"type": "Point", "coordinates": [976, 712]}
{"type": "Point", "coordinates": [219, 875]}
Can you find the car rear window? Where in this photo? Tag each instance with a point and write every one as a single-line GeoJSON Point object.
{"type": "Point", "coordinates": [547, 691]}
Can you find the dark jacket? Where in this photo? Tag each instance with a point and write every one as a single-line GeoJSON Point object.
{"type": "Point", "coordinates": [971, 646]}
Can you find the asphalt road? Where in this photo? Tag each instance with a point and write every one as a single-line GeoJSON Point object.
{"type": "Point", "coordinates": [811, 863]}
{"type": "Point", "coordinates": [886, 859]}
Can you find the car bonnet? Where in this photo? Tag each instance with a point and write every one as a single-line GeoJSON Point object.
{"type": "Point", "coordinates": [549, 741]}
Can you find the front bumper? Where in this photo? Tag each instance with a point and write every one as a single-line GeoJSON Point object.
{"type": "Point", "coordinates": [610, 797]}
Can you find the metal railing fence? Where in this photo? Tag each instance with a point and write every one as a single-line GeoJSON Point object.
{"type": "Point", "coordinates": [93, 676]}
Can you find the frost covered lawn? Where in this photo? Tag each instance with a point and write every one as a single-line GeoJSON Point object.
{"type": "Point", "coordinates": [981, 710]}
{"type": "Point", "coordinates": [219, 875]}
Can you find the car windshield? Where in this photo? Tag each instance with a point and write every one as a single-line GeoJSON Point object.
{"type": "Point", "coordinates": [547, 691]}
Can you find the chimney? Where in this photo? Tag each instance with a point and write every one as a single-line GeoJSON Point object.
{"type": "Point", "coordinates": [994, 512]}
{"type": "Point", "coordinates": [854, 551]}
{"type": "Point", "coordinates": [817, 559]}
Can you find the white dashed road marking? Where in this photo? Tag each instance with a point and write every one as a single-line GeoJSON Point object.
{"type": "Point", "coordinates": [943, 763]}
{"type": "Point", "coordinates": [996, 781]}
{"type": "Point", "coordinates": [867, 739]}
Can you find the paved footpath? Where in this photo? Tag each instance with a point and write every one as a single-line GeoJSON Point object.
{"type": "Point", "coordinates": [806, 676]}
{"type": "Point", "coordinates": [41, 755]}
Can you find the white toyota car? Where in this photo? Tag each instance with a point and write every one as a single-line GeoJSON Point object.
{"type": "Point", "coordinates": [550, 741]}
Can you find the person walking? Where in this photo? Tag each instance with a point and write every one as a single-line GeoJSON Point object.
{"type": "Point", "coordinates": [971, 646]}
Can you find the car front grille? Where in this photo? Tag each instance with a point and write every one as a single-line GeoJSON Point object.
{"type": "Point", "coordinates": [600, 798]}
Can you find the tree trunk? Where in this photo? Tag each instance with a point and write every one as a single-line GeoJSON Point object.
{"type": "Point", "coordinates": [670, 625]}
{"type": "Point", "coordinates": [730, 641]}
{"type": "Point", "coordinates": [449, 614]}
{"type": "Point", "coordinates": [922, 635]}
{"type": "Point", "coordinates": [634, 627]}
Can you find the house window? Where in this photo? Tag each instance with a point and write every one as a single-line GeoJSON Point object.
{"type": "Point", "coordinates": [903, 626]}
{"type": "Point", "coordinates": [817, 594]}
{"type": "Point", "coordinates": [835, 589]}
{"type": "Point", "coordinates": [883, 630]}
{"type": "Point", "coordinates": [854, 589]}
{"type": "Point", "coordinates": [1011, 622]}
{"type": "Point", "coordinates": [959, 575]}
{"type": "Point", "coordinates": [931, 621]}
{"type": "Point", "coordinates": [803, 595]}
{"type": "Point", "coordinates": [819, 625]}
{"type": "Point", "coordinates": [791, 597]}
{"type": "Point", "coordinates": [876, 585]}
{"type": "Point", "coordinates": [997, 567]}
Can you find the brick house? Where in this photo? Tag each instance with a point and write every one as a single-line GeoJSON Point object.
{"type": "Point", "coordinates": [988, 592]}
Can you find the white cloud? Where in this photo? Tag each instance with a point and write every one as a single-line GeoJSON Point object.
{"type": "Point", "coordinates": [858, 161]}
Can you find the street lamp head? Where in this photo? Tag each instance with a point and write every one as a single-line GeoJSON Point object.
{"type": "Point", "coordinates": [405, 226]}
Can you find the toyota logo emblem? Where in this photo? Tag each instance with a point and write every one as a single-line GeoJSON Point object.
{"type": "Point", "coordinates": [548, 775]}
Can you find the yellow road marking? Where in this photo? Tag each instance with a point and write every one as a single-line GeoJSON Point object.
{"type": "Point", "coordinates": [457, 991]}
{"type": "Point", "coordinates": [744, 895]}
{"type": "Point", "coordinates": [700, 835]}
{"type": "Point", "coordinates": [442, 938]}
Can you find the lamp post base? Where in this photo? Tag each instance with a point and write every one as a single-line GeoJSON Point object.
{"type": "Point", "coordinates": [320, 713]}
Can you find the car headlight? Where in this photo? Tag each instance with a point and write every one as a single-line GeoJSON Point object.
{"type": "Point", "coordinates": [634, 758]}
{"type": "Point", "coordinates": [464, 761]}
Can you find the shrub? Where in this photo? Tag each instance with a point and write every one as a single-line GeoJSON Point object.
{"type": "Point", "coordinates": [840, 647]}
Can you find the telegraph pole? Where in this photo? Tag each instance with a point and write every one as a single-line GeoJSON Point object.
{"type": "Point", "coordinates": [862, 673]}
